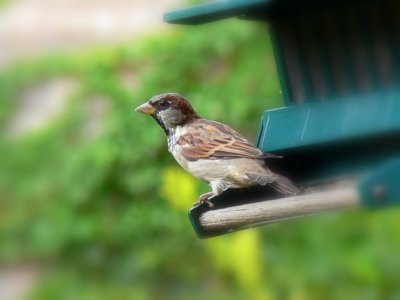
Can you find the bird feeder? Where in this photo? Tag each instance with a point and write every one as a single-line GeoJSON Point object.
{"type": "Point", "coordinates": [339, 132]}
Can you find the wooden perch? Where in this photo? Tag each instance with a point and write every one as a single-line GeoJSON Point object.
{"type": "Point", "coordinates": [254, 214]}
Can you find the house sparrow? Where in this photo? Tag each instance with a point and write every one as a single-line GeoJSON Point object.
{"type": "Point", "coordinates": [211, 151]}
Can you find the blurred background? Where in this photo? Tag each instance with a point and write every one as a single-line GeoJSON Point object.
{"type": "Point", "coordinates": [92, 206]}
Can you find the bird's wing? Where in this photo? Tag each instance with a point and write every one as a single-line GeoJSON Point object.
{"type": "Point", "coordinates": [210, 139]}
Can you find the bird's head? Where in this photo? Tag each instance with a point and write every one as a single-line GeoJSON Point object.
{"type": "Point", "coordinates": [169, 110]}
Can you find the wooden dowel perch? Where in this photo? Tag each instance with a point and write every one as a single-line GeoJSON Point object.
{"type": "Point", "coordinates": [254, 214]}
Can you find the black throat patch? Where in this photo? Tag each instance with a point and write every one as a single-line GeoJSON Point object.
{"type": "Point", "coordinates": [162, 125]}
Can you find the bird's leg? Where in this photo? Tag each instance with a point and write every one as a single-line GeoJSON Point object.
{"type": "Point", "coordinates": [217, 188]}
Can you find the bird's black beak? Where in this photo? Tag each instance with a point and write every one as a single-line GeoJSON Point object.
{"type": "Point", "coordinates": [146, 108]}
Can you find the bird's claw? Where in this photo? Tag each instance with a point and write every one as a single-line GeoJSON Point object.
{"type": "Point", "coordinates": [205, 199]}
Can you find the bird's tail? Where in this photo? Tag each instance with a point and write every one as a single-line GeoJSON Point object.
{"type": "Point", "coordinates": [285, 186]}
{"type": "Point", "coordinates": [278, 182]}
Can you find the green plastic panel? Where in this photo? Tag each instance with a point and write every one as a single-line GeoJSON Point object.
{"type": "Point", "coordinates": [381, 187]}
{"type": "Point", "coordinates": [213, 11]}
{"type": "Point", "coordinates": [318, 122]}
{"type": "Point", "coordinates": [335, 50]}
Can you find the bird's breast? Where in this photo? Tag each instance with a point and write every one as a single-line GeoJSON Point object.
{"type": "Point", "coordinates": [204, 169]}
{"type": "Point", "coordinates": [173, 137]}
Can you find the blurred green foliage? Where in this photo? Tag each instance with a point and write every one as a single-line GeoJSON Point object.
{"type": "Point", "coordinates": [100, 212]}
{"type": "Point", "coordinates": [3, 2]}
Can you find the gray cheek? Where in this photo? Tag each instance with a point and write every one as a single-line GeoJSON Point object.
{"type": "Point", "coordinates": [176, 117]}
{"type": "Point", "coordinates": [171, 117]}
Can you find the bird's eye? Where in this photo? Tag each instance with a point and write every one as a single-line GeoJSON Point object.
{"type": "Point", "coordinates": [164, 103]}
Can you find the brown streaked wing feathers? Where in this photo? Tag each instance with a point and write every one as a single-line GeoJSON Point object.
{"type": "Point", "coordinates": [209, 139]}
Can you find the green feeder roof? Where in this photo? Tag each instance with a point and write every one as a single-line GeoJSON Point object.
{"type": "Point", "coordinates": [245, 9]}
{"type": "Point", "coordinates": [214, 11]}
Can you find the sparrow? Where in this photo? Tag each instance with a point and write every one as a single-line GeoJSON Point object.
{"type": "Point", "coordinates": [212, 151]}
